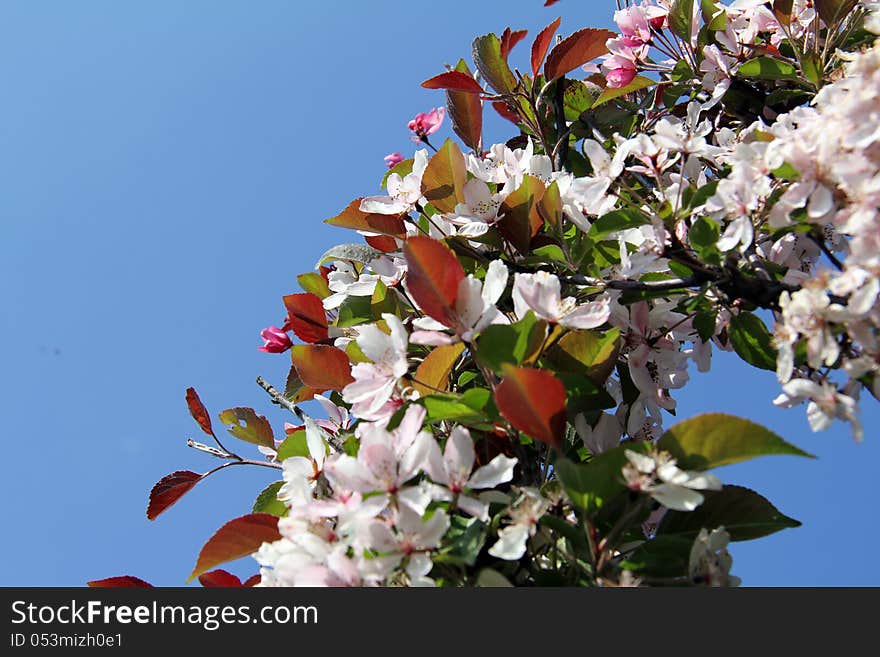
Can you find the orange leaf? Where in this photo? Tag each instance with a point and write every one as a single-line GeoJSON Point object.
{"type": "Point", "coordinates": [550, 205]}
{"type": "Point", "coordinates": [510, 39]}
{"type": "Point", "coordinates": [219, 579]}
{"type": "Point", "coordinates": [253, 580]}
{"type": "Point", "coordinates": [382, 243]}
{"type": "Point", "coordinates": [306, 316]}
{"type": "Point", "coordinates": [321, 367]}
{"type": "Point", "coordinates": [505, 112]}
{"type": "Point", "coordinates": [435, 369]}
{"type": "Point", "coordinates": [581, 47]}
{"type": "Point", "coordinates": [433, 275]}
{"type": "Point", "coordinates": [352, 217]}
{"type": "Point", "coordinates": [122, 582]}
{"type": "Point", "coordinates": [255, 430]}
{"type": "Point", "coordinates": [169, 489]}
{"type": "Point", "coordinates": [237, 538]}
{"type": "Point", "coordinates": [198, 411]}
{"type": "Point", "coordinates": [444, 178]}
{"type": "Point", "coordinates": [521, 220]}
{"type": "Point", "coordinates": [466, 113]}
{"type": "Point", "coordinates": [455, 80]}
{"type": "Point", "coordinates": [542, 45]}
{"type": "Point", "coordinates": [533, 401]}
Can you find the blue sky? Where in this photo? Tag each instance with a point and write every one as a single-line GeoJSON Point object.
{"type": "Point", "coordinates": [164, 169]}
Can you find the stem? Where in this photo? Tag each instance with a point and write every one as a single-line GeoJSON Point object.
{"type": "Point", "coordinates": [278, 398]}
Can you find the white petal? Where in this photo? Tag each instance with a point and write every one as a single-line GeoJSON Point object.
{"type": "Point", "coordinates": [511, 544]}
{"type": "Point", "coordinates": [495, 283]}
{"type": "Point", "coordinates": [677, 498]}
{"type": "Point", "coordinates": [474, 507]}
{"type": "Point", "coordinates": [458, 456]}
{"type": "Point", "coordinates": [347, 473]}
{"type": "Point", "coordinates": [588, 316]}
{"type": "Point", "coordinates": [497, 471]}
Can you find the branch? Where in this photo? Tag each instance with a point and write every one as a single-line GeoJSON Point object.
{"type": "Point", "coordinates": [278, 398]}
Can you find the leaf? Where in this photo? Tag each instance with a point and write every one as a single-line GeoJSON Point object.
{"type": "Point", "coordinates": [353, 217]}
{"type": "Point", "coordinates": [123, 581]}
{"type": "Point", "coordinates": [383, 243]}
{"type": "Point", "coordinates": [384, 300]}
{"type": "Point", "coordinates": [253, 580]}
{"type": "Point", "coordinates": [355, 310]}
{"type": "Point", "coordinates": [237, 538]}
{"type": "Point", "coordinates": [455, 81]}
{"type": "Point", "coordinates": [505, 112]}
{"type": "Point", "coordinates": [590, 485]}
{"type": "Point", "coordinates": [752, 341]}
{"type": "Point", "coordinates": [542, 44]}
{"type": "Point", "coordinates": [444, 178]}
{"type": "Point", "coordinates": [550, 205]}
{"type": "Point", "coordinates": [663, 556]}
{"type": "Point", "coordinates": [492, 65]}
{"type": "Point", "coordinates": [295, 444]}
{"type": "Point", "coordinates": [715, 439]}
{"type": "Point", "coordinates": [741, 511]}
{"type": "Point", "coordinates": [466, 112]}
{"type": "Point", "coordinates": [321, 367]}
{"type": "Point", "coordinates": [471, 407]}
{"type": "Point", "coordinates": [638, 83]}
{"type": "Point", "coordinates": [169, 489]}
{"type": "Point", "coordinates": [681, 18]}
{"type": "Point", "coordinates": [832, 11]}
{"type": "Point", "coordinates": [295, 390]}
{"type": "Point", "coordinates": [521, 221]}
{"type": "Point", "coordinates": [219, 579]}
{"type": "Point", "coordinates": [510, 343]}
{"type": "Point", "coordinates": [315, 283]}
{"type": "Point", "coordinates": [590, 352]}
{"type": "Point", "coordinates": [267, 501]}
{"type": "Point", "coordinates": [614, 222]}
{"type": "Point", "coordinates": [489, 577]}
{"type": "Point", "coordinates": [463, 541]}
{"type": "Point", "coordinates": [355, 252]}
{"type": "Point", "coordinates": [433, 275]}
{"type": "Point", "coordinates": [581, 47]}
{"type": "Point", "coordinates": [432, 374]}
{"type": "Point", "coordinates": [576, 99]}
{"type": "Point", "coordinates": [198, 411]}
{"type": "Point", "coordinates": [767, 68]}
{"type": "Point", "coordinates": [533, 401]}
{"type": "Point", "coordinates": [510, 39]}
{"type": "Point", "coordinates": [782, 11]}
{"type": "Point", "coordinates": [256, 429]}
{"type": "Point", "coordinates": [306, 316]}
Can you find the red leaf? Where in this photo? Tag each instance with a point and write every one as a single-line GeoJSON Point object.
{"type": "Point", "coordinates": [542, 45]}
{"type": "Point", "coordinates": [169, 489]}
{"type": "Point", "coordinates": [237, 538]}
{"type": "Point", "coordinates": [219, 579]}
{"type": "Point", "coordinates": [352, 217]}
{"type": "Point", "coordinates": [123, 582]}
{"type": "Point", "coordinates": [253, 580]}
{"type": "Point", "coordinates": [466, 113]}
{"type": "Point", "coordinates": [510, 39]}
{"type": "Point", "coordinates": [504, 110]}
{"type": "Point", "coordinates": [382, 243]}
{"type": "Point", "coordinates": [533, 401]}
{"type": "Point", "coordinates": [455, 80]}
{"type": "Point", "coordinates": [306, 316]}
{"type": "Point", "coordinates": [433, 275]}
{"type": "Point", "coordinates": [550, 2]}
{"type": "Point", "coordinates": [581, 47]}
{"type": "Point", "coordinates": [198, 411]}
{"type": "Point", "coordinates": [521, 220]}
{"type": "Point", "coordinates": [322, 367]}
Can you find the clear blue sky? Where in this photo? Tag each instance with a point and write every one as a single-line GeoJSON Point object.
{"type": "Point", "coordinates": [164, 170]}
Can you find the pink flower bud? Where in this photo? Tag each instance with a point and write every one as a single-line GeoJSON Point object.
{"type": "Point", "coordinates": [393, 159]}
{"type": "Point", "coordinates": [427, 124]}
{"type": "Point", "coordinates": [276, 340]}
{"type": "Point", "coordinates": [620, 77]}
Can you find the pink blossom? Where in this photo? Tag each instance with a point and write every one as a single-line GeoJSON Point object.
{"type": "Point", "coordinates": [276, 340]}
{"type": "Point", "coordinates": [620, 77]}
{"type": "Point", "coordinates": [393, 159]}
{"type": "Point", "coordinates": [427, 124]}
{"type": "Point", "coordinates": [634, 24]}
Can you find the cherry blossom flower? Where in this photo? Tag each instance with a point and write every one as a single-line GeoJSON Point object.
{"type": "Point", "coordinates": [427, 124]}
{"type": "Point", "coordinates": [403, 192]}
{"type": "Point", "coordinates": [541, 293]}
{"type": "Point", "coordinates": [709, 562]}
{"type": "Point", "coordinates": [393, 159]}
{"type": "Point", "coordinates": [658, 475]}
{"type": "Point", "coordinates": [525, 513]}
{"type": "Point", "coordinates": [825, 405]}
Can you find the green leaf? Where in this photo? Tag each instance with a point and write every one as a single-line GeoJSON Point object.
{"type": "Point", "coordinates": [681, 18]}
{"type": "Point", "coordinates": [704, 323]}
{"type": "Point", "coordinates": [268, 502]}
{"type": "Point", "coordinates": [465, 537]}
{"type": "Point", "coordinates": [713, 15]}
{"type": "Point", "coordinates": [745, 514]}
{"type": "Point", "coordinates": [592, 353]}
{"type": "Point", "coordinates": [582, 394]}
{"type": "Point", "coordinates": [313, 282]}
{"type": "Point", "coordinates": [510, 343]}
{"type": "Point", "coordinates": [786, 172]}
{"type": "Point", "coordinates": [590, 485]}
{"type": "Point", "coordinates": [576, 99]}
{"type": "Point", "coordinates": [294, 445]}
{"type": "Point", "coordinates": [356, 252]}
{"type": "Point", "coordinates": [384, 300]}
{"type": "Point", "coordinates": [474, 406]}
{"type": "Point", "coordinates": [638, 83]}
{"type": "Point", "coordinates": [663, 556]}
{"type": "Point", "coordinates": [402, 169]}
{"type": "Point", "coordinates": [767, 68]}
{"type": "Point", "coordinates": [248, 426]}
{"type": "Point", "coordinates": [615, 221]}
{"type": "Point", "coordinates": [491, 65]}
{"type": "Point", "coordinates": [752, 341]}
{"type": "Point", "coordinates": [704, 233]}
{"type": "Point", "coordinates": [355, 310]}
{"type": "Point", "coordinates": [715, 439]}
